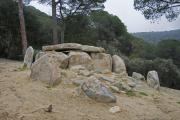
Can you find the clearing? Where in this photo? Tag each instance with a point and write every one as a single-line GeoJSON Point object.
{"type": "Point", "coordinates": [24, 99]}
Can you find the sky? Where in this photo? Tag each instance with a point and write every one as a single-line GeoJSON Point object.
{"type": "Point", "coordinates": [134, 20]}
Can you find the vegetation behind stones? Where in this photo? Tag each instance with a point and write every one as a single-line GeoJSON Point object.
{"type": "Point", "coordinates": [99, 29]}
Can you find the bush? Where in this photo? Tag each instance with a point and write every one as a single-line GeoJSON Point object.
{"type": "Point", "coordinates": [139, 65]}
{"type": "Point", "coordinates": [171, 48]}
{"type": "Point", "coordinates": [168, 72]}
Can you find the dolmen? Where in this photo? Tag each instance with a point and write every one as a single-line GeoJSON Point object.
{"type": "Point", "coordinates": [97, 73]}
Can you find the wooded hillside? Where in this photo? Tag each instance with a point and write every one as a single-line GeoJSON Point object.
{"type": "Point", "coordinates": [155, 37]}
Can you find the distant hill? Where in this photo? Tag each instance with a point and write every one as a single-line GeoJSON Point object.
{"type": "Point", "coordinates": [42, 17]}
{"type": "Point", "coordinates": [158, 36]}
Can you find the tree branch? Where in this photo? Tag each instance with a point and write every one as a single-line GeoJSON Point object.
{"type": "Point", "coordinates": [60, 10]}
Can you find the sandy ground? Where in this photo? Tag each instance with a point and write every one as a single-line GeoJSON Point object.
{"type": "Point", "coordinates": [24, 99]}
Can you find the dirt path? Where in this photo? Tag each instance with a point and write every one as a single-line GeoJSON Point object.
{"type": "Point", "coordinates": [24, 99]}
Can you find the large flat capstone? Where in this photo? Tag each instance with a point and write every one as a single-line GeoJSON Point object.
{"type": "Point", "coordinates": [64, 46]}
{"type": "Point", "coordinates": [73, 46]}
{"type": "Point", "coordinates": [92, 49]}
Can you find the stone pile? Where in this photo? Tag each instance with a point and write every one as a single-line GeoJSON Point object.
{"type": "Point", "coordinates": [97, 73]}
{"type": "Point", "coordinates": [90, 57]}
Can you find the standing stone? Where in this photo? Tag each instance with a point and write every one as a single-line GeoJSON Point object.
{"type": "Point", "coordinates": [138, 76]}
{"type": "Point", "coordinates": [102, 62]}
{"type": "Point", "coordinates": [118, 65]}
{"type": "Point", "coordinates": [153, 80]}
{"type": "Point", "coordinates": [48, 68]}
{"type": "Point", "coordinates": [95, 90]}
{"type": "Point", "coordinates": [28, 58]}
{"type": "Point", "coordinates": [80, 59]}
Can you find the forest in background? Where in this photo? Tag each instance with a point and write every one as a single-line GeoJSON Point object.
{"type": "Point", "coordinates": [155, 37]}
{"type": "Point", "coordinates": [99, 28]}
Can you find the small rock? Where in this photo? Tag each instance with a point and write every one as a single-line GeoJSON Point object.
{"type": "Point", "coordinates": [132, 84]}
{"type": "Point", "coordinates": [106, 79]}
{"type": "Point", "coordinates": [124, 92]}
{"type": "Point", "coordinates": [78, 82]}
{"type": "Point", "coordinates": [114, 89]}
{"type": "Point", "coordinates": [114, 109]}
{"type": "Point", "coordinates": [49, 109]}
{"type": "Point", "coordinates": [122, 86]}
{"type": "Point", "coordinates": [77, 92]}
{"type": "Point", "coordinates": [138, 76]}
{"type": "Point", "coordinates": [84, 73]}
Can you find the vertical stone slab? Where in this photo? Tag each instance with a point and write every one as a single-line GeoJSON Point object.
{"type": "Point", "coordinates": [153, 80]}
{"type": "Point", "coordinates": [118, 65]}
{"type": "Point", "coordinates": [102, 62]}
{"type": "Point", "coordinates": [80, 58]}
{"type": "Point", "coordinates": [28, 58]}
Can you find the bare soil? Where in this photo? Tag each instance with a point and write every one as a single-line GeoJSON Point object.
{"type": "Point", "coordinates": [24, 99]}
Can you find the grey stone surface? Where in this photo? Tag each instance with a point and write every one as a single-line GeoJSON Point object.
{"type": "Point", "coordinates": [95, 90]}
{"type": "Point", "coordinates": [81, 59]}
{"type": "Point", "coordinates": [118, 65]}
{"type": "Point", "coordinates": [48, 68]}
{"type": "Point", "coordinates": [92, 49]}
{"type": "Point", "coordinates": [153, 80]}
{"type": "Point", "coordinates": [28, 58]}
{"type": "Point", "coordinates": [39, 54]}
{"type": "Point", "coordinates": [138, 76]}
{"type": "Point", "coordinates": [122, 86]}
{"type": "Point", "coordinates": [62, 47]}
{"type": "Point", "coordinates": [102, 62]}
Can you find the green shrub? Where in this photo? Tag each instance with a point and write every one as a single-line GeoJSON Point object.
{"type": "Point", "coordinates": [143, 93]}
{"type": "Point", "coordinates": [168, 72]}
{"type": "Point", "coordinates": [130, 93]}
{"type": "Point", "coordinates": [139, 65]}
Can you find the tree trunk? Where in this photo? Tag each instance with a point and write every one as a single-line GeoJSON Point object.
{"type": "Point", "coordinates": [62, 36]}
{"type": "Point", "coordinates": [63, 28]}
{"type": "Point", "coordinates": [54, 24]}
{"type": "Point", "coordinates": [22, 27]}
